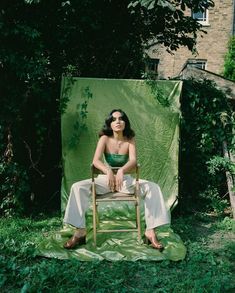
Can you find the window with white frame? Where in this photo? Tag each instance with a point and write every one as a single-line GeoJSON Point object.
{"type": "Point", "coordinates": [201, 16]}
{"type": "Point", "coordinates": [198, 63]}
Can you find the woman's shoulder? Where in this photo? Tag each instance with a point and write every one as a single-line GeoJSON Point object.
{"type": "Point", "coordinates": [104, 138]}
{"type": "Point", "coordinates": [131, 140]}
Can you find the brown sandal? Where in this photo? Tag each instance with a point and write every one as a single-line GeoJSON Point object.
{"type": "Point", "coordinates": [75, 241]}
{"type": "Point", "coordinates": [155, 245]}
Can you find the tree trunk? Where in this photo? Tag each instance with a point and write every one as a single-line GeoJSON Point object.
{"type": "Point", "coordinates": [230, 178]}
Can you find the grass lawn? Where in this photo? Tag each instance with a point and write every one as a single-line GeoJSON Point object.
{"type": "Point", "coordinates": [209, 265]}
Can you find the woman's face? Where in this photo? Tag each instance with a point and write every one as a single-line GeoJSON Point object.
{"type": "Point", "coordinates": [117, 123]}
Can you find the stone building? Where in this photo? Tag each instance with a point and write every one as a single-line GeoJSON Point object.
{"type": "Point", "coordinates": [218, 22]}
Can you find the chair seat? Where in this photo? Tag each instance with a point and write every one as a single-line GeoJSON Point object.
{"type": "Point", "coordinates": [115, 196]}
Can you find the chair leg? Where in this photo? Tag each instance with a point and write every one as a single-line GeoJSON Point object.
{"type": "Point", "coordinates": [138, 220]}
{"type": "Point", "coordinates": [97, 217]}
{"type": "Point", "coordinates": [94, 223]}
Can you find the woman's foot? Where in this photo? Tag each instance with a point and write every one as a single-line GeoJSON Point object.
{"type": "Point", "coordinates": [78, 238]}
{"type": "Point", "coordinates": [150, 238]}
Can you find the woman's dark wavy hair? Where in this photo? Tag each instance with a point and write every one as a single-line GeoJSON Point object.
{"type": "Point", "coordinates": [107, 130]}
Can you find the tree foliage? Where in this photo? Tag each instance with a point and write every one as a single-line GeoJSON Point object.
{"type": "Point", "coordinates": [229, 65]}
{"type": "Point", "coordinates": [167, 23]}
{"type": "Point", "coordinates": [206, 124]}
{"type": "Point", "coordinates": [43, 39]}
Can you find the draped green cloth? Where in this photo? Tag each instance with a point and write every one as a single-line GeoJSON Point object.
{"type": "Point", "coordinates": [154, 112]}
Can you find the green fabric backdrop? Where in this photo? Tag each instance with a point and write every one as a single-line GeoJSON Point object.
{"type": "Point", "coordinates": [153, 109]}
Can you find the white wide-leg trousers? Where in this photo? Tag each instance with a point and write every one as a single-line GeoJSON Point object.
{"type": "Point", "coordinates": [156, 213]}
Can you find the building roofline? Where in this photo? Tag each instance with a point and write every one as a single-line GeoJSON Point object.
{"type": "Point", "coordinates": [224, 84]}
{"type": "Point", "coordinates": [185, 67]}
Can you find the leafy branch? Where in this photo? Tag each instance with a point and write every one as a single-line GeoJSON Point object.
{"type": "Point", "coordinates": [81, 117]}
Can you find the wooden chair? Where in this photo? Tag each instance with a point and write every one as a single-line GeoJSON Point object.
{"type": "Point", "coordinates": [115, 197]}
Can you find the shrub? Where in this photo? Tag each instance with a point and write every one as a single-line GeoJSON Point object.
{"type": "Point", "coordinates": [203, 132]}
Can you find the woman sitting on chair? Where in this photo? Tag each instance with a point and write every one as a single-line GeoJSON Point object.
{"type": "Point", "coordinates": [117, 144]}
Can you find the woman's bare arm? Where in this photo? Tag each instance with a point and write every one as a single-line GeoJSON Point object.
{"type": "Point", "coordinates": [98, 163]}
{"type": "Point", "coordinates": [97, 159]}
{"type": "Point", "coordinates": [132, 158]}
{"type": "Point", "coordinates": [128, 166]}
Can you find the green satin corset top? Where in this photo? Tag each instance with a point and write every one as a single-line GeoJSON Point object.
{"type": "Point", "coordinates": [116, 160]}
